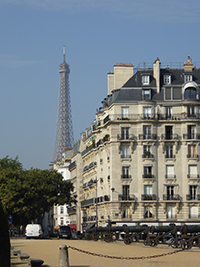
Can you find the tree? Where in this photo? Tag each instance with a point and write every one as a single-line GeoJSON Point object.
{"type": "Point", "coordinates": [28, 194]}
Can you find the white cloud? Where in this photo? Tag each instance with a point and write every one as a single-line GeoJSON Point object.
{"type": "Point", "coordinates": [155, 10]}
{"type": "Point", "coordinates": [13, 61]}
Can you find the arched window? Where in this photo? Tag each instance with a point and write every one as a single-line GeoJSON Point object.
{"type": "Point", "coordinates": [190, 93]}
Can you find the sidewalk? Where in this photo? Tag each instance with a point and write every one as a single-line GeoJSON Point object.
{"type": "Point", "coordinates": [48, 251]}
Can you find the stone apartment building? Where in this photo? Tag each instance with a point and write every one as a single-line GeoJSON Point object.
{"type": "Point", "coordinates": [138, 162]}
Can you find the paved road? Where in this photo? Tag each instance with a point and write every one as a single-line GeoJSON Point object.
{"type": "Point", "coordinates": [48, 250]}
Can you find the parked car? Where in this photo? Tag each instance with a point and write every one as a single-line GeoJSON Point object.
{"type": "Point", "coordinates": [63, 231]}
{"type": "Point", "coordinates": [33, 231]}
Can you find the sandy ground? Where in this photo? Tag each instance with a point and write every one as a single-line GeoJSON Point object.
{"type": "Point", "coordinates": [48, 251]}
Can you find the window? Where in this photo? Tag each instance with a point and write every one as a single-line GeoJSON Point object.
{"type": "Point", "coordinates": [190, 111]}
{"type": "Point", "coordinates": [193, 212]}
{"type": "Point", "coordinates": [148, 172]}
{"type": "Point", "coordinates": [170, 171]}
{"type": "Point", "coordinates": [168, 132]}
{"type": "Point", "coordinates": [192, 169]}
{"type": "Point", "coordinates": [124, 113]}
{"type": "Point", "coordinates": [168, 112]}
{"type": "Point", "coordinates": [170, 192]}
{"type": "Point", "coordinates": [167, 79]}
{"type": "Point", "coordinates": [125, 132]}
{"type": "Point", "coordinates": [61, 222]}
{"type": "Point", "coordinates": [125, 151]}
{"type": "Point", "coordinates": [146, 94]}
{"type": "Point", "coordinates": [188, 78]}
{"type": "Point", "coordinates": [145, 79]}
{"type": "Point", "coordinates": [169, 151]}
{"type": "Point", "coordinates": [190, 93]}
{"type": "Point", "coordinates": [191, 131]}
{"type": "Point", "coordinates": [125, 172]}
{"type": "Point", "coordinates": [193, 191]}
{"type": "Point", "coordinates": [148, 189]}
{"type": "Point", "coordinates": [171, 212]}
{"type": "Point", "coordinates": [147, 150]}
{"type": "Point", "coordinates": [61, 210]}
{"type": "Point", "coordinates": [125, 211]}
{"type": "Point", "coordinates": [148, 212]}
{"type": "Point", "coordinates": [125, 191]}
{"type": "Point", "coordinates": [147, 112]}
{"type": "Point", "coordinates": [147, 131]}
{"type": "Point", "coordinates": [192, 151]}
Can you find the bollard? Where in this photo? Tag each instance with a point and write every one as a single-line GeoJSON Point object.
{"type": "Point", "coordinates": [63, 257]}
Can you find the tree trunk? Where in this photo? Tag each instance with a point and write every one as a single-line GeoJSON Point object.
{"type": "Point", "coordinates": [4, 240]}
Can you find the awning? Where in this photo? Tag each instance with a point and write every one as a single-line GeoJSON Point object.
{"type": "Point", "coordinates": [56, 227]}
{"type": "Point", "coordinates": [72, 226]}
{"type": "Point", "coordinates": [89, 226]}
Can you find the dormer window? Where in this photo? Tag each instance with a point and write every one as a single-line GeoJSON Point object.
{"type": "Point", "coordinates": [188, 78]}
{"type": "Point", "coordinates": [146, 94]}
{"type": "Point", "coordinates": [145, 79]}
{"type": "Point", "coordinates": [167, 79]}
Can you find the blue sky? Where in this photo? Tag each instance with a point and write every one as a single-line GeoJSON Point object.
{"type": "Point", "coordinates": [97, 34]}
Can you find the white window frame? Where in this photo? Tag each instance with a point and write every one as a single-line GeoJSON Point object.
{"type": "Point", "coordinates": [171, 214]}
{"type": "Point", "coordinates": [125, 151]}
{"type": "Point", "coordinates": [167, 79]}
{"type": "Point", "coordinates": [146, 94]}
{"type": "Point", "coordinates": [188, 78]}
{"type": "Point", "coordinates": [124, 112]}
{"type": "Point", "coordinates": [145, 79]}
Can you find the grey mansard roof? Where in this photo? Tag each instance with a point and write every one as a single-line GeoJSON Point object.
{"type": "Point", "coordinates": [131, 91]}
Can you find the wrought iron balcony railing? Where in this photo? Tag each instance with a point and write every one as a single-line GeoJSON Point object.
{"type": "Point", "coordinates": [193, 176]}
{"type": "Point", "coordinates": [130, 197]}
{"type": "Point", "coordinates": [148, 175]}
{"type": "Point", "coordinates": [191, 136]}
{"type": "Point", "coordinates": [193, 197]}
{"type": "Point", "coordinates": [147, 136]}
{"type": "Point", "coordinates": [125, 137]}
{"type": "Point", "coordinates": [148, 197]}
{"type": "Point", "coordinates": [170, 176]}
{"type": "Point", "coordinates": [171, 197]}
{"type": "Point", "coordinates": [169, 136]}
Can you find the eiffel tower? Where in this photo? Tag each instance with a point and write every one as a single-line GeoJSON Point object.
{"type": "Point", "coordinates": [64, 129]}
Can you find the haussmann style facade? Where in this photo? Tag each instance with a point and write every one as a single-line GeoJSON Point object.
{"type": "Point", "coordinates": [138, 162]}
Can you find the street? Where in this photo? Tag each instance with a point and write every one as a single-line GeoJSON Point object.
{"type": "Point", "coordinates": [48, 251]}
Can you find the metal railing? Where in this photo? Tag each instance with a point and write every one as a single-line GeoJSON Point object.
{"type": "Point", "coordinates": [127, 197]}
{"type": "Point", "coordinates": [170, 136]}
{"type": "Point", "coordinates": [171, 197]}
{"type": "Point", "coordinates": [148, 197]}
{"type": "Point", "coordinates": [193, 197]}
{"type": "Point", "coordinates": [147, 136]}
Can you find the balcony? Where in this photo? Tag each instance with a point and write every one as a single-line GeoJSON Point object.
{"type": "Point", "coordinates": [172, 197]}
{"type": "Point", "coordinates": [170, 176]}
{"type": "Point", "coordinates": [147, 136]}
{"type": "Point", "coordinates": [130, 197]}
{"type": "Point", "coordinates": [136, 117]}
{"type": "Point", "coordinates": [125, 176]}
{"type": "Point", "coordinates": [171, 137]}
{"type": "Point", "coordinates": [72, 165]}
{"type": "Point", "coordinates": [88, 202]}
{"type": "Point", "coordinates": [148, 176]}
{"type": "Point", "coordinates": [71, 210]}
{"type": "Point", "coordinates": [192, 156]}
{"type": "Point", "coordinates": [125, 137]}
{"type": "Point", "coordinates": [193, 197]}
{"type": "Point", "coordinates": [191, 136]}
{"type": "Point", "coordinates": [148, 197]}
{"type": "Point", "coordinates": [148, 156]}
{"type": "Point", "coordinates": [193, 176]}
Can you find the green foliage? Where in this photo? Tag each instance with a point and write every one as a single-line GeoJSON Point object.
{"type": "Point", "coordinates": [28, 194]}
